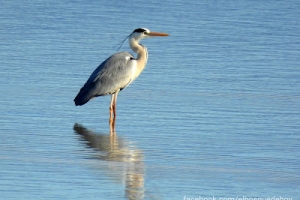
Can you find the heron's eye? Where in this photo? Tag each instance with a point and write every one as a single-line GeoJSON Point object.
{"type": "Point", "coordinates": [145, 33]}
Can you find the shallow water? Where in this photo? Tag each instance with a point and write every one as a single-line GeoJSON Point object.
{"type": "Point", "coordinates": [214, 114]}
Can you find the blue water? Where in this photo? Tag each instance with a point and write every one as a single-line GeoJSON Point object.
{"type": "Point", "coordinates": [214, 114]}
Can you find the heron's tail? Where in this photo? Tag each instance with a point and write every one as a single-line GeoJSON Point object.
{"type": "Point", "coordinates": [82, 97]}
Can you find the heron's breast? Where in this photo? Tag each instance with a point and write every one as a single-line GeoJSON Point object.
{"type": "Point", "coordinates": [134, 70]}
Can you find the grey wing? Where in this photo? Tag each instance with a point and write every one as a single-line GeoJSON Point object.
{"type": "Point", "coordinates": [114, 74]}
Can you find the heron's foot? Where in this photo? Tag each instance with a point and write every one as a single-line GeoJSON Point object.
{"type": "Point", "coordinates": [112, 131]}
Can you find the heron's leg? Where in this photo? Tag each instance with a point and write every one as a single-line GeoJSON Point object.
{"type": "Point", "coordinates": [115, 109]}
{"type": "Point", "coordinates": [111, 110]}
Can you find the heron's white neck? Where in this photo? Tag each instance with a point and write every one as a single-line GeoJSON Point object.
{"type": "Point", "coordinates": [142, 55]}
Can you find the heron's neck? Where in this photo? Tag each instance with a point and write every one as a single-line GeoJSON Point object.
{"type": "Point", "coordinates": [142, 55]}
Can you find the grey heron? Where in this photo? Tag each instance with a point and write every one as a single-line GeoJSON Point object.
{"type": "Point", "coordinates": [117, 72]}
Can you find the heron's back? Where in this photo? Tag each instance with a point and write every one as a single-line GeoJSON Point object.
{"type": "Point", "coordinates": [114, 74]}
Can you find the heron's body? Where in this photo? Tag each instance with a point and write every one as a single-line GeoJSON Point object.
{"type": "Point", "coordinates": [117, 72]}
{"type": "Point", "coordinates": [113, 75]}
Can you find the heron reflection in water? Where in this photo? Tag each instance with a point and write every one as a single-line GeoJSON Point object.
{"type": "Point", "coordinates": [116, 73]}
{"type": "Point", "coordinates": [126, 163]}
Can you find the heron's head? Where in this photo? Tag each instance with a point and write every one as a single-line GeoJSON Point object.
{"type": "Point", "coordinates": [141, 33]}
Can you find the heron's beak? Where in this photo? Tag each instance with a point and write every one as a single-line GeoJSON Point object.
{"type": "Point", "coordinates": [157, 34]}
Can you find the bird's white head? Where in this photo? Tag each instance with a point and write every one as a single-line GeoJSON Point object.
{"type": "Point", "coordinates": [141, 33]}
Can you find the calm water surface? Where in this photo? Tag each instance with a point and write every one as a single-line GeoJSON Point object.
{"type": "Point", "coordinates": [215, 112]}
